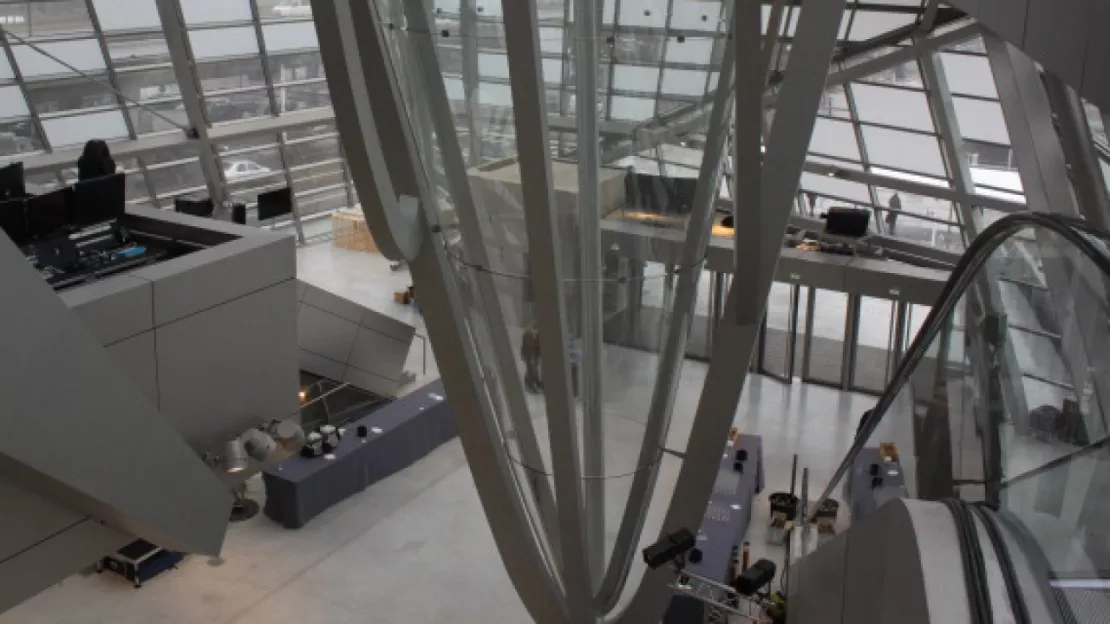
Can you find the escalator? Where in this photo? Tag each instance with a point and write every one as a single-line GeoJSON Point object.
{"type": "Point", "coordinates": [986, 460]}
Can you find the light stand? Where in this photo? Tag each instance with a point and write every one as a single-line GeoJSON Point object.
{"type": "Point", "coordinates": [243, 508]}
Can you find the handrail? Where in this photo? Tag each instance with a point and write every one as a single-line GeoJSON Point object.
{"type": "Point", "coordinates": [1074, 231]}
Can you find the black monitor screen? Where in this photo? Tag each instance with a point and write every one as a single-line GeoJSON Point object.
{"type": "Point", "coordinates": [195, 207]}
{"type": "Point", "coordinates": [275, 203]}
{"type": "Point", "coordinates": [98, 200]}
{"type": "Point", "coordinates": [11, 181]}
{"type": "Point", "coordinates": [48, 213]}
{"type": "Point", "coordinates": [13, 220]}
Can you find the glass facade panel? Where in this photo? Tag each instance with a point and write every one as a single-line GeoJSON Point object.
{"type": "Point", "coordinates": [39, 19]}
{"type": "Point", "coordinates": [12, 103]}
{"type": "Point", "coordinates": [213, 43]}
{"type": "Point", "coordinates": [138, 51]}
{"type": "Point", "coordinates": [233, 74]}
{"type": "Point", "coordinates": [834, 138]}
{"type": "Point", "coordinates": [904, 150]}
{"type": "Point", "coordinates": [289, 36]}
{"type": "Point", "coordinates": [83, 54]}
{"type": "Point", "coordinates": [892, 107]}
{"type": "Point", "coordinates": [241, 105]}
{"type": "Point", "coordinates": [215, 11]}
{"type": "Point", "coordinates": [969, 75]}
{"type": "Point", "coordinates": [127, 14]}
{"type": "Point", "coordinates": [981, 120]}
{"type": "Point", "coordinates": [76, 130]}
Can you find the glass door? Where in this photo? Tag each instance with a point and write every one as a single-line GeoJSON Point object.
{"type": "Point", "coordinates": [878, 333]}
{"type": "Point", "coordinates": [826, 325]}
{"type": "Point", "coordinates": [779, 334]}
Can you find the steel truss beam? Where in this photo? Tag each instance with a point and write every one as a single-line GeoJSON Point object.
{"type": "Point", "coordinates": [677, 334]}
{"type": "Point", "coordinates": [917, 188]}
{"type": "Point", "coordinates": [425, 61]}
{"type": "Point", "coordinates": [181, 57]}
{"type": "Point", "coordinates": [542, 224]}
{"type": "Point", "coordinates": [810, 56]}
{"type": "Point", "coordinates": [365, 124]}
{"type": "Point", "coordinates": [1044, 170]}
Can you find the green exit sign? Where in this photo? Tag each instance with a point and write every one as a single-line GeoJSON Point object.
{"type": "Point", "coordinates": [794, 277]}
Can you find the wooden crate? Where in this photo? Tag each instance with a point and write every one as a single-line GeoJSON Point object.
{"type": "Point", "coordinates": [349, 231]}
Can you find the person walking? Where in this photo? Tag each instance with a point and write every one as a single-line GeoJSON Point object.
{"type": "Point", "coordinates": [895, 206]}
{"type": "Point", "coordinates": [530, 354]}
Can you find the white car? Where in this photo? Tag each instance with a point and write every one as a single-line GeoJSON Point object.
{"type": "Point", "coordinates": [294, 8]}
{"type": "Point", "coordinates": [239, 169]}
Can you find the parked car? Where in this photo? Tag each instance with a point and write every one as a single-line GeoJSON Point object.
{"type": "Point", "coordinates": [294, 8]}
{"type": "Point", "coordinates": [239, 169]}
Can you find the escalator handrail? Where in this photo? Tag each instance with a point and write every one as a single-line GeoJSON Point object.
{"type": "Point", "coordinates": [963, 274]}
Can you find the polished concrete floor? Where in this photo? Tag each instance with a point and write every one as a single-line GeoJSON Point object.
{"type": "Point", "coordinates": [416, 547]}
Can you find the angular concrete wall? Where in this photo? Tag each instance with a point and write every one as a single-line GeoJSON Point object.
{"type": "Point", "coordinates": [1067, 37]}
{"type": "Point", "coordinates": [86, 460]}
{"type": "Point", "coordinates": [210, 338]}
{"type": "Point", "coordinates": [342, 340]}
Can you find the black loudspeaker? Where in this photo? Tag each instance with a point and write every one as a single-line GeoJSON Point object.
{"type": "Point", "coordinates": [695, 556]}
{"type": "Point", "coordinates": [239, 214]}
{"type": "Point", "coordinates": [362, 431]}
{"type": "Point", "coordinates": [994, 329]}
{"type": "Point", "coordinates": [669, 548]}
{"type": "Point", "coordinates": [843, 221]}
{"type": "Point", "coordinates": [741, 455]}
{"type": "Point", "coordinates": [757, 576]}
{"type": "Point", "coordinates": [738, 466]}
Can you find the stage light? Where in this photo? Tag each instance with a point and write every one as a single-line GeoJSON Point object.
{"type": "Point", "coordinates": [287, 433]}
{"type": "Point", "coordinates": [235, 456]}
{"type": "Point", "coordinates": [259, 445]}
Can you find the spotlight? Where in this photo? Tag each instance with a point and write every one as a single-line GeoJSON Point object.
{"type": "Point", "coordinates": [259, 445]}
{"type": "Point", "coordinates": [303, 394]}
{"type": "Point", "coordinates": [287, 433]}
{"type": "Point", "coordinates": [235, 456]}
{"type": "Point", "coordinates": [669, 548]}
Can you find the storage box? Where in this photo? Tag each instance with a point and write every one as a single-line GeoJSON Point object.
{"type": "Point", "coordinates": [349, 231]}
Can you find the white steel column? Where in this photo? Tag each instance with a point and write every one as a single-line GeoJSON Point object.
{"type": "Point", "coordinates": [542, 225]}
{"type": "Point", "coordinates": [673, 351]}
{"type": "Point", "coordinates": [368, 116]}
{"type": "Point", "coordinates": [426, 66]}
{"type": "Point", "coordinates": [799, 97]}
{"type": "Point", "coordinates": [184, 71]}
{"type": "Point", "coordinates": [587, 19]}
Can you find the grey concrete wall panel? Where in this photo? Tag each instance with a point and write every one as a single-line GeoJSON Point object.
{"type": "Point", "coordinates": [387, 325]}
{"type": "Point", "coordinates": [219, 375]}
{"type": "Point", "coordinates": [1056, 35]}
{"type": "Point", "coordinates": [1004, 18]}
{"type": "Point", "coordinates": [1096, 80]}
{"type": "Point", "coordinates": [136, 356]}
{"type": "Point", "coordinates": [1064, 36]}
{"type": "Point", "coordinates": [53, 560]}
{"type": "Point", "coordinates": [104, 450]}
{"type": "Point", "coordinates": [878, 278]}
{"type": "Point", "coordinates": [324, 334]}
{"type": "Point", "coordinates": [820, 270]}
{"type": "Point", "coordinates": [378, 354]}
{"type": "Point", "coordinates": [816, 590]}
{"type": "Point", "coordinates": [333, 304]}
{"type": "Point", "coordinates": [28, 518]}
{"type": "Point", "coordinates": [322, 366]}
{"type": "Point", "coordinates": [370, 382]}
{"type": "Point", "coordinates": [346, 341]}
{"type": "Point", "coordinates": [213, 276]}
{"type": "Point", "coordinates": [113, 309]}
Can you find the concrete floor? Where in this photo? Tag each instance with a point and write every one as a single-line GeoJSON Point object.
{"type": "Point", "coordinates": [416, 547]}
